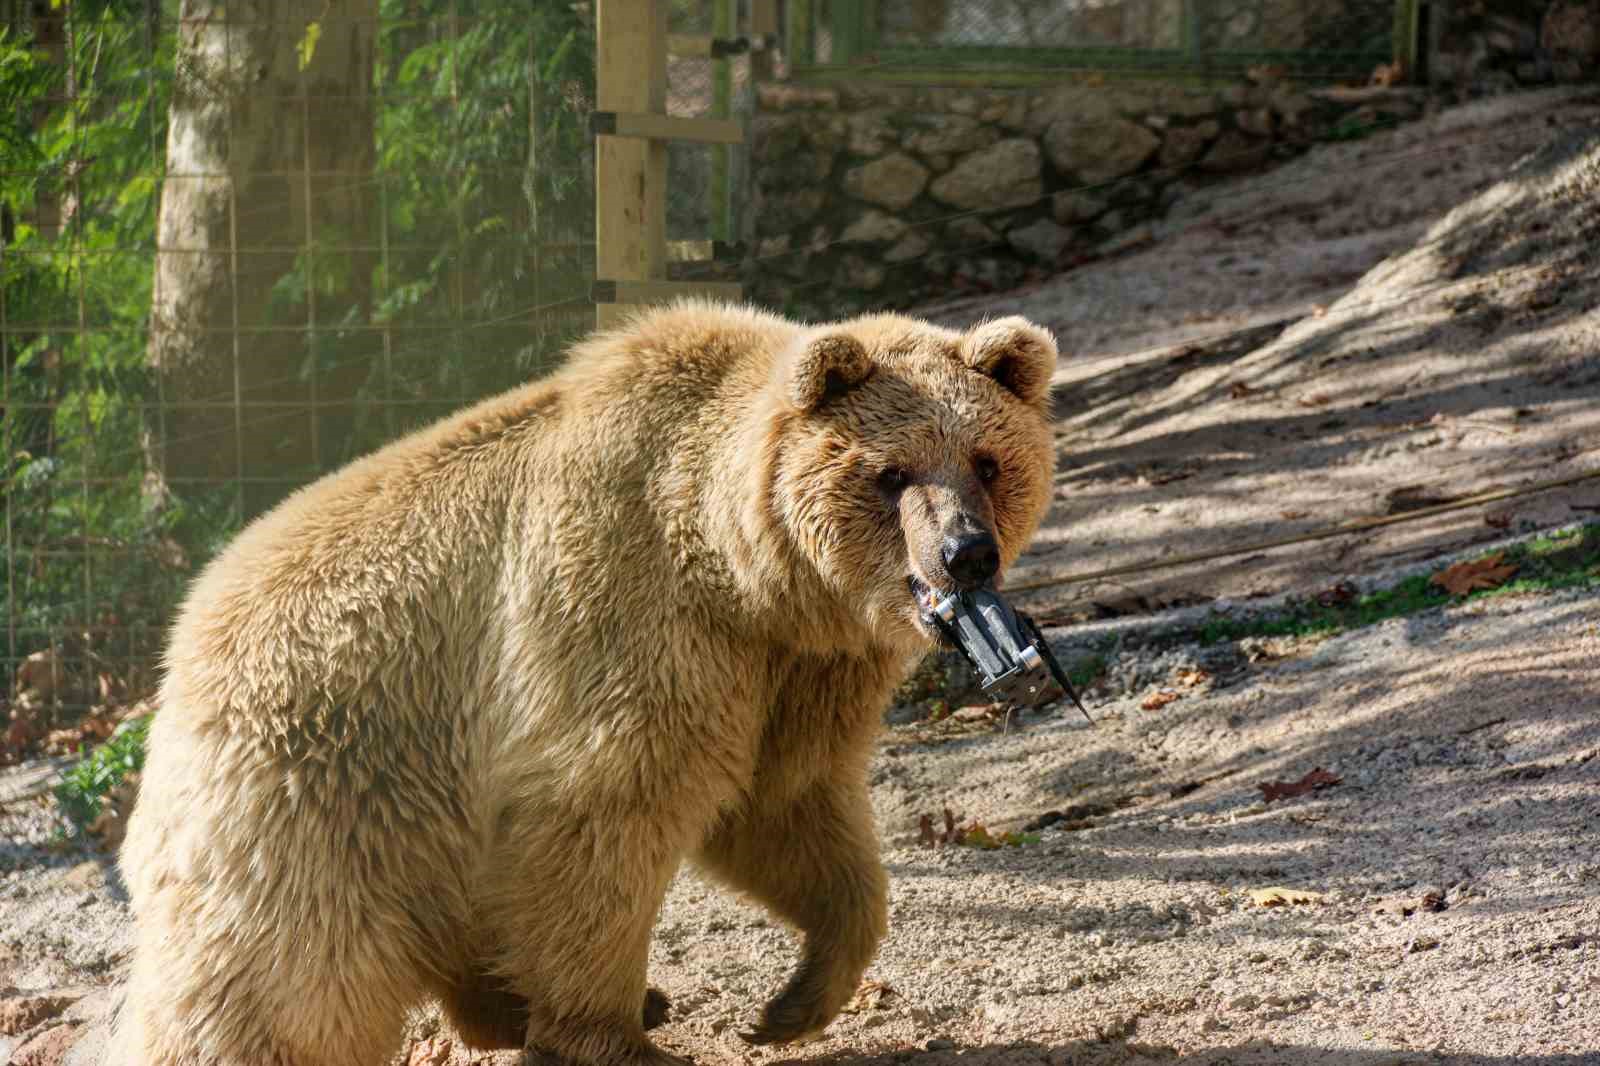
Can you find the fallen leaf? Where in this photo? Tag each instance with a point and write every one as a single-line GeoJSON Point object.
{"type": "Point", "coordinates": [1316, 779]}
{"type": "Point", "coordinates": [1465, 577]}
{"type": "Point", "coordinates": [20, 1013]}
{"type": "Point", "coordinates": [434, 1051]}
{"type": "Point", "coordinates": [1336, 595]}
{"type": "Point", "coordinates": [1159, 700]}
{"type": "Point", "coordinates": [873, 995]}
{"type": "Point", "coordinates": [1192, 677]}
{"type": "Point", "coordinates": [1313, 401]}
{"type": "Point", "coordinates": [932, 838]}
{"type": "Point", "coordinates": [1283, 897]}
{"type": "Point", "coordinates": [40, 675]}
{"type": "Point", "coordinates": [1386, 74]}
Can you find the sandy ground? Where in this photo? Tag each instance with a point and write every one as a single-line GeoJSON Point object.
{"type": "Point", "coordinates": [1453, 875]}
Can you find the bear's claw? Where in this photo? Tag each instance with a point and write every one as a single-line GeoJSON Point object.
{"type": "Point", "coordinates": [657, 1007]}
{"type": "Point", "coordinates": [788, 1019]}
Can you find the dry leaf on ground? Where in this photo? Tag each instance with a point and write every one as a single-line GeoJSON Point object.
{"type": "Point", "coordinates": [1277, 790]}
{"type": "Point", "coordinates": [873, 995]}
{"type": "Point", "coordinates": [434, 1051]}
{"type": "Point", "coordinates": [1465, 577]}
{"type": "Point", "coordinates": [1337, 595]}
{"type": "Point", "coordinates": [1159, 700]}
{"type": "Point", "coordinates": [931, 838]}
{"type": "Point", "coordinates": [1190, 677]}
{"type": "Point", "coordinates": [1282, 897]}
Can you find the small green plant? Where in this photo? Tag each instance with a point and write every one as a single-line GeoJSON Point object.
{"type": "Point", "coordinates": [975, 835]}
{"type": "Point", "coordinates": [85, 787]}
{"type": "Point", "coordinates": [1087, 671]}
{"type": "Point", "coordinates": [1565, 560]}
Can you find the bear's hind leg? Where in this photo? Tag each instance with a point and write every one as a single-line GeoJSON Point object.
{"type": "Point", "coordinates": [491, 1017]}
{"type": "Point", "coordinates": [815, 863]}
{"type": "Point", "coordinates": [574, 933]}
{"type": "Point", "coordinates": [487, 1014]}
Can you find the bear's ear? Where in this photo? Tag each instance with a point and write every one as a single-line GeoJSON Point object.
{"type": "Point", "coordinates": [825, 366]}
{"type": "Point", "coordinates": [1017, 354]}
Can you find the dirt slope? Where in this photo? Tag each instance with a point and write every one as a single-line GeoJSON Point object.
{"type": "Point", "coordinates": [1462, 364]}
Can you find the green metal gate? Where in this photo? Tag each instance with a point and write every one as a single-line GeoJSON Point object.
{"type": "Point", "coordinates": [1021, 40]}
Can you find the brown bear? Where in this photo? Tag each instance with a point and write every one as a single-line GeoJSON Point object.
{"type": "Point", "coordinates": [446, 722]}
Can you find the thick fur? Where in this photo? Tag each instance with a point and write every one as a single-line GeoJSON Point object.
{"type": "Point", "coordinates": [446, 722]}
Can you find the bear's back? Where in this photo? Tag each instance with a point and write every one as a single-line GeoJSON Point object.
{"type": "Point", "coordinates": [395, 557]}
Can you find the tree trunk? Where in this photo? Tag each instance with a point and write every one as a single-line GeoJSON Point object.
{"type": "Point", "coordinates": [268, 184]}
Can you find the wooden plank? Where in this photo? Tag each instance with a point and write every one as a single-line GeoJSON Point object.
{"type": "Point", "coordinates": [763, 17]}
{"type": "Point", "coordinates": [1407, 42]}
{"type": "Point", "coordinates": [764, 29]}
{"type": "Point", "coordinates": [848, 40]}
{"type": "Point", "coordinates": [618, 294]}
{"type": "Point", "coordinates": [630, 172]}
{"type": "Point", "coordinates": [721, 108]}
{"type": "Point", "coordinates": [667, 127]}
{"type": "Point", "coordinates": [797, 36]}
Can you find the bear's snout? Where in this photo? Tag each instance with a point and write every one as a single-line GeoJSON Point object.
{"type": "Point", "coordinates": [971, 559]}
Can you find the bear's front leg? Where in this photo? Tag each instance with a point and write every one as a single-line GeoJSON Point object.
{"type": "Point", "coordinates": [814, 861]}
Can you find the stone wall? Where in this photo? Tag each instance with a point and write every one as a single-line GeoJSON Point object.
{"type": "Point", "coordinates": [880, 197]}
{"type": "Point", "coordinates": [1478, 46]}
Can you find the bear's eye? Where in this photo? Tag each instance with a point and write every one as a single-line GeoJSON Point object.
{"type": "Point", "coordinates": [987, 469]}
{"type": "Point", "coordinates": [893, 481]}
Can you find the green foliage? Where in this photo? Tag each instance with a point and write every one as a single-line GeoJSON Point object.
{"type": "Point", "coordinates": [1567, 560]}
{"type": "Point", "coordinates": [79, 217]}
{"type": "Point", "coordinates": [84, 787]}
{"type": "Point", "coordinates": [1086, 672]}
{"type": "Point", "coordinates": [486, 184]}
{"type": "Point", "coordinates": [482, 163]}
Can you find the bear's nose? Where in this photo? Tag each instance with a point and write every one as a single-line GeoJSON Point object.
{"type": "Point", "coordinates": [971, 559]}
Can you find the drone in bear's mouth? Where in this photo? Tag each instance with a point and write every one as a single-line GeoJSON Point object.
{"type": "Point", "coordinates": [1012, 659]}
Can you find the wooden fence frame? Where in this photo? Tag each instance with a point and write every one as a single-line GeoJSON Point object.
{"type": "Point", "coordinates": [632, 129]}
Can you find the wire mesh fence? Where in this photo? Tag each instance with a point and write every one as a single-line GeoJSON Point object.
{"type": "Point", "coordinates": [243, 244]}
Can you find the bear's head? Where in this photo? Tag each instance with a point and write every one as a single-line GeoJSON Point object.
{"type": "Point", "coordinates": [913, 459]}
